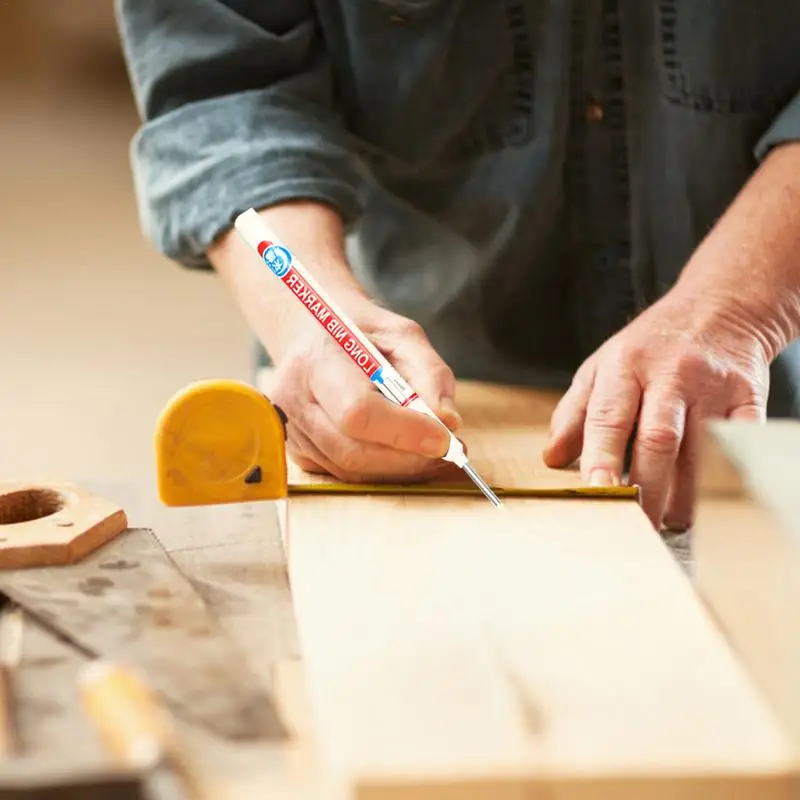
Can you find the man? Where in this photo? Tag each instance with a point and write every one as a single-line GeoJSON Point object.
{"type": "Point", "coordinates": [605, 197]}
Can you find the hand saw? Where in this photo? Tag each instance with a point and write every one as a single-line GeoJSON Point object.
{"type": "Point", "coordinates": [128, 601]}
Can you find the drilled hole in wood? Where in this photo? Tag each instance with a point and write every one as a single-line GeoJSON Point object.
{"type": "Point", "coordinates": [27, 505]}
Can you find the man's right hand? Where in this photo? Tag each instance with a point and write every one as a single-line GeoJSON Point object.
{"type": "Point", "coordinates": [340, 424]}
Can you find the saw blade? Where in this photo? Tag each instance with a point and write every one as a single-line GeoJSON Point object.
{"type": "Point", "coordinates": [129, 602]}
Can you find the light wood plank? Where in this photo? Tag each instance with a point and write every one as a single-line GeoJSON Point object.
{"type": "Point", "coordinates": [747, 547]}
{"type": "Point", "coordinates": [505, 431]}
{"type": "Point", "coordinates": [508, 458]}
{"type": "Point", "coordinates": [453, 650]}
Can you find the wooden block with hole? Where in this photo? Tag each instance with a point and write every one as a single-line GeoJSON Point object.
{"type": "Point", "coordinates": [747, 551]}
{"type": "Point", "coordinates": [48, 524]}
{"type": "Point", "coordinates": [551, 649]}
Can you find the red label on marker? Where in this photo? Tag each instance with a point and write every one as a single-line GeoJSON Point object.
{"type": "Point", "coordinates": [279, 260]}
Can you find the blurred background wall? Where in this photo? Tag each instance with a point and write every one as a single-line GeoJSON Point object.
{"type": "Point", "coordinates": [96, 329]}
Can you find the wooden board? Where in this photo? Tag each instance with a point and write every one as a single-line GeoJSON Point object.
{"type": "Point", "coordinates": [234, 557]}
{"type": "Point", "coordinates": [558, 647]}
{"type": "Point", "coordinates": [747, 550]}
{"type": "Point", "coordinates": [453, 650]}
{"type": "Point", "coordinates": [505, 431]}
{"type": "Point", "coordinates": [505, 448]}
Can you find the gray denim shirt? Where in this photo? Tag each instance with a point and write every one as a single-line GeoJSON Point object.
{"type": "Point", "coordinates": [520, 176]}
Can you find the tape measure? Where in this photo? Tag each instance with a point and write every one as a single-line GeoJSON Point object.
{"type": "Point", "coordinates": [220, 441]}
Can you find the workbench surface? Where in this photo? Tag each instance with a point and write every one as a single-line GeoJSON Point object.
{"type": "Point", "coordinates": [234, 557]}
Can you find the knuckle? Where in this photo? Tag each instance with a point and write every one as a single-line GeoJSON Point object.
{"type": "Point", "coordinates": [311, 424]}
{"type": "Point", "coordinates": [442, 375]}
{"type": "Point", "coordinates": [691, 365]}
{"type": "Point", "coordinates": [607, 415]}
{"type": "Point", "coordinates": [305, 463]}
{"type": "Point", "coordinates": [346, 476]}
{"type": "Point", "coordinates": [400, 440]}
{"type": "Point", "coordinates": [583, 377]}
{"type": "Point", "coordinates": [412, 328]}
{"type": "Point", "coordinates": [661, 439]}
{"type": "Point", "coordinates": [350, 461]}
{"type": "Point", "coordinates": [754, 389]}
{"type": "Point", "coordinates": [292, 366]}
{"type": "Point", "coordinates": [356, 417]}
{"type": "Point", "coordinates": [625, 354]}
{"type": "Point", "coordinates": [406, 329]}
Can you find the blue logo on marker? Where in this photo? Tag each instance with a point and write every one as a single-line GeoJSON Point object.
{"type": "Point", "coordinates": [278, 259]}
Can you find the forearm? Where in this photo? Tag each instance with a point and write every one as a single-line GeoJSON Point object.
{"type": "Point", "coordinates": [315, 233]}
{"type": "Point", "coordinates": [238, 108]}
{"type": "Point", "coordinates": [751, 259]}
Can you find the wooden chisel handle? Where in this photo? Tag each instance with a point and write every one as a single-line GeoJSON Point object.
{"type": "Point", "coordinates": [11, 627]}
{"type": "Point", "coordinates": [9, 741]}
{"type": "Point", "coordinates": [126, 715]}
{"type": "Point", "coordinates": [132, 724]}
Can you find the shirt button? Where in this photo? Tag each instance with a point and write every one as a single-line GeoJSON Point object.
{"type": "Point", "coordinates": [594, 112]}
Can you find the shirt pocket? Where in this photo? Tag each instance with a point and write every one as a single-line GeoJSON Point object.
{"type": "Point", "coordinates": [734, 57]}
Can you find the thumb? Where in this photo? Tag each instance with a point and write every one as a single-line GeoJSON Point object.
{"type": "Point", "coordinates": [416, 360]}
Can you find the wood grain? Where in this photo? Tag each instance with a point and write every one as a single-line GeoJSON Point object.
{"type": "Point", "coordinates": [505, 431]}
{"type": "Point", "coordinates": [554, 647]}
{"type": "Point", "coordinates": [747, 545]}
{"type": "Point", "coordinates": [509, 458]}
{"type": "Point", "coordinates": [584, 660]}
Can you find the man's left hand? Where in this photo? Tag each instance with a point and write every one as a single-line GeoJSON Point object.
{"type": "Point", "coordinates": [684, 360]}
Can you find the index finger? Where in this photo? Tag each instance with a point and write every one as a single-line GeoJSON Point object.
{"type": "Point", "coordinates": [610, 416]}
{"type": "Point", "coordinates": [360, 412]}
{"type": "Point", "coordinates": [655, 452]}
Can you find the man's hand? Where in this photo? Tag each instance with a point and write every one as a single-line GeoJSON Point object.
{"type": "Point", "coordinates": [340, 424]}
{"type": "Point", "coordinates": [702, 351]}
{"type": "Point", "coordinates": [683, 361]}
{"type": "Point", "coordinates": [338, 421]}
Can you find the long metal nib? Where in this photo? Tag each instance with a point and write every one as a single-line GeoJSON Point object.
{"type": "Point", "coordinates": [482, 485]}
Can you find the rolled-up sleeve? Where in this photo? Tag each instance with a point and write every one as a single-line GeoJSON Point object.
{"type": "Point", "coordinates": [236, 101]}
{"type": "Point", "coordinates": [784, 129]}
